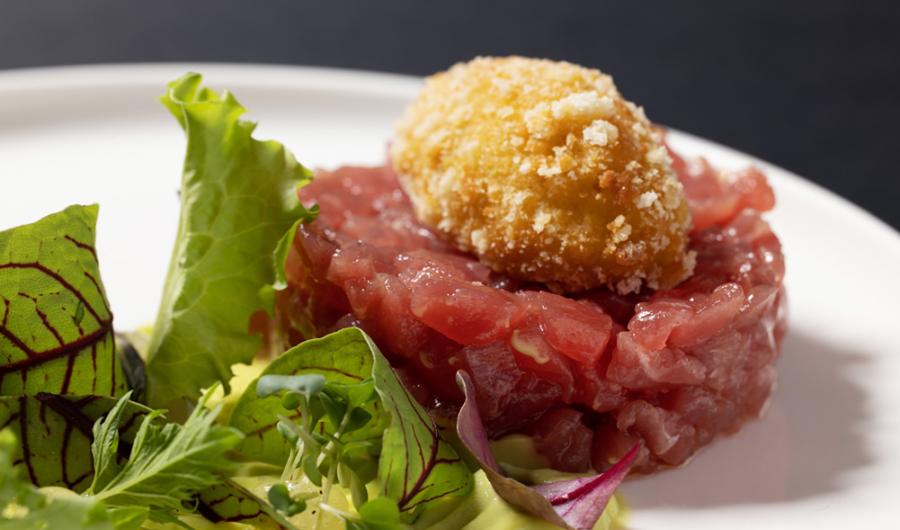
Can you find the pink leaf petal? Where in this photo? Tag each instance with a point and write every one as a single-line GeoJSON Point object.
{"type": "Point", "coordinates": [574, 504]}
{"type": "Point", "coordinates": [580, 502]}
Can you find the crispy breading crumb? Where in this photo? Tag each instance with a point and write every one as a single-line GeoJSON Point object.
{"type": "Point", "coordinates": [544, 171]}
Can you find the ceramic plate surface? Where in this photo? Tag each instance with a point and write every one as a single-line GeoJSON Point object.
{"type": "Point", "coordinates": [826, 455]}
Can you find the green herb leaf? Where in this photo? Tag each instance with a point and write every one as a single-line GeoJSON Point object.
{"type": "Point", "coordinates": [238, 198]}
{"type": "Point", "coordinates": [105, 447]}
{"type": "Point", "coordinates": [170, 463]}
{"type": "Point", "coordinates": [417, 468]}
{"type": "Point", "coordinates": [55, 324]}
{"type": "Point", "coordinates": [128, 517]}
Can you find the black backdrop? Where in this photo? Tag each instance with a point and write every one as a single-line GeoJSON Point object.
{"type": "Point", "coordinates": [813, 86]}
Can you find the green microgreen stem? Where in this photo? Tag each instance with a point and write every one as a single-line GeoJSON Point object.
{"type": "Point", "coordinates": [331, 451]}
{"type": "Point", "coordinates": [305, 442]}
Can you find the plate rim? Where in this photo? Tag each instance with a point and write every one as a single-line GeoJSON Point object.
{"type": "Point", "coordinates": [346, 80]}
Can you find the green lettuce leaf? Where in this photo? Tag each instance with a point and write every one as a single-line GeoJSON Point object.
{"type": "Point", "coordinates": [417, 468]}
{"type": "Point", "coordinates": [56, 330]}
{"type": "Point", "coordinates": [281, 255]}
{"type": "Point", "coordinates": [238, 198]}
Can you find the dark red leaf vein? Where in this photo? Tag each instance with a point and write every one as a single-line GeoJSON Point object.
{"type": "Point", "coordinates": [435, 497]}
{"type": "Point", "coordinates": [81, 245]}
{"type": "Point", "coordinates": [46, 355]}
{"type": "Point", "coordinates": [327, 369]}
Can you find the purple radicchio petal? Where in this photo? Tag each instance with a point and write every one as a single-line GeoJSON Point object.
{"type": "Point", "coordinates": [574, 504]}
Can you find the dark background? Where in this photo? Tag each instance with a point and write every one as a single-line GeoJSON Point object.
{"type": "Point", "coordinates": [813, 86]}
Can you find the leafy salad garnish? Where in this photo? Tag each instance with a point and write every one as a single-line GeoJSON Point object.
{"type": "Point", "coordinates": [166, 466]}
{"type": "Point", "coordinates": [80, 448]}
{"type": "Point", "coordinates": [238, 196]}
{"type": "Point", "coordinates": [168, 463]}
{"type": "Point", "coordinates": [334, 410]}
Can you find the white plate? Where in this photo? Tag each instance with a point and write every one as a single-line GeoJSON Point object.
{"type": "Point", "coordinates": [825, 456]}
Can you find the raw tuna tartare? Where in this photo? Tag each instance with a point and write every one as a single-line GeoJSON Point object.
{"type": "Point", "coordinates": [669, 354]}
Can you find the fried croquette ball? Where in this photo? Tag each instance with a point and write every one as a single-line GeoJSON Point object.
{"type": "Point", "coordinates": [546, 173]}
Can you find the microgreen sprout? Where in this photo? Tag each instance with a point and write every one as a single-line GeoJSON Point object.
{"type": "Point", "coordinates": [280, 497]}
{"type": "Point", "coordinates": [321, 417]}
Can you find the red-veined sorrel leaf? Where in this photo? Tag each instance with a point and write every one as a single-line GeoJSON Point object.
{"type": "Point", "coordinates": [574, 504]}
{"type": "Point", "coordinates": [55, 433]}
{"type": "Point", "coordinates": [55, 324]}
{"type": "Point", "coordinates": [28, 508]}
{"type": "Point", "coordinates": [417, 468]}
{"type": "Point", "coordinates": [232, 502]}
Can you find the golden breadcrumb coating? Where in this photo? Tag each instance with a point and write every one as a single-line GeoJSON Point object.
{"type": "Point", "coordinates": [546, 173]}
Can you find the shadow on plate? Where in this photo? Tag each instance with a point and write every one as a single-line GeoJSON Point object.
{"type": "Point", "coordinates": [812, 435]}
